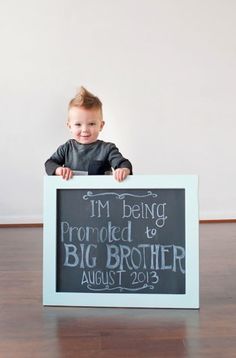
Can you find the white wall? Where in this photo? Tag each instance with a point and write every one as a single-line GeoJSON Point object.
{"type": "Point", "coordinates": [165, 71]}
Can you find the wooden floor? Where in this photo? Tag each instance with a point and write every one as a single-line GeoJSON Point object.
{"type": "Point", "coordinates": [27, 329]}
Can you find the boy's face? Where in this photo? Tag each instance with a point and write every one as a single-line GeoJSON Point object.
{"type": "Point", "coordinates": [85, 124]}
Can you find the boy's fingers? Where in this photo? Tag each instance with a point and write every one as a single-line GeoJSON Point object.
{"type": "Point", "coordinates": [64, 175]}
{"type": "Point", "coordinates": [67, 174]}
{"type": "Point", "coordinates": [70, 174]}
{"type": "Point", "coordinates": [119, 175]}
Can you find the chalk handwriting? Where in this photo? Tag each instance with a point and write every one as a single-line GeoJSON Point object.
{"type": "Point", "coordinates": [104, 248]}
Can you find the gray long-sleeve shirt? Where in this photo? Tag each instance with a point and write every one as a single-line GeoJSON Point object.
{"type": "Point", "coordinates": [95, 158]}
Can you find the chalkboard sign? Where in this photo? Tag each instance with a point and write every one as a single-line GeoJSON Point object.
{"type": "Point", "coordinates": [132, 244]}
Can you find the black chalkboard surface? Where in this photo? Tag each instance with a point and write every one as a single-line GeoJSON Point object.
{"type": "Point", "coordinates": [121, 241]}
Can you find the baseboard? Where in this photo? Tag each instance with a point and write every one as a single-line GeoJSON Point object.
{"type": "Point", "coordinates": [21, 220]}
{"type": "Point", "coordinates": [217, 215]}
{"type": "Point", "coordinates": [37, 220]}
{"type": "Point", "coordinates": [40, 225]}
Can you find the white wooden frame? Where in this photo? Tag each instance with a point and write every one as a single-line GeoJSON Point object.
{"type": "Point", "coordinates": [188, 300]}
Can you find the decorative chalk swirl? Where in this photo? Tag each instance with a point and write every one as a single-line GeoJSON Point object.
{"type": "Point", "coordinates": [107, 288]}
{"type": "Point", "coordinates": [118, 196]}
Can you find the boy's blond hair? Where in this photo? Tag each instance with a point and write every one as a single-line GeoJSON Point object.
{"type": "Point", "coordinates": [85, 99]}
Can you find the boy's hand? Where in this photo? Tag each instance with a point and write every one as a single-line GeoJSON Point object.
{"type": "Point", "coordinates": [121, 174]}
{"type": "Point", "coordinates": [66, 173]}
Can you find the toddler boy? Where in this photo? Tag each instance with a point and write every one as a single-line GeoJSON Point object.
{"type": "Point", "coordinates": [85, 154]}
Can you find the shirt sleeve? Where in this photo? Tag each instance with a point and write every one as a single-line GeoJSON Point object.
{"type": "Point", "coordinates": [56, 160]}
{"type": "Point", "coordinates": [117, 160]}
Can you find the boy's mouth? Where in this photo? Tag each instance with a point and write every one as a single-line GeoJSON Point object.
{"type": "Point", "coordinates": [85, 138]}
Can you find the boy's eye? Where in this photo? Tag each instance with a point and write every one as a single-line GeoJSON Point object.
{"type": "Point", "coordinates": [77, 124]}
{"type": "Point", "coordinates": [92, 124]}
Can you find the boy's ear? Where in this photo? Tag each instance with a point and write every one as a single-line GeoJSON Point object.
{"type": "Point", "coordinates": [102, 125]}
{"type": "Point", "coordinates": [68, 124]}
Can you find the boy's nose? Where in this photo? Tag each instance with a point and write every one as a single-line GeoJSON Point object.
{"type": "Point", "coordinates": [84, 129]}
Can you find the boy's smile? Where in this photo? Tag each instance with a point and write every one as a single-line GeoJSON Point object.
{"type": "Point", "coordinates": [85, 124]}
